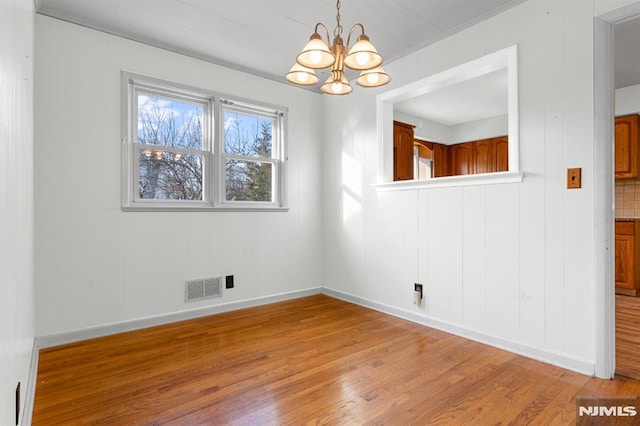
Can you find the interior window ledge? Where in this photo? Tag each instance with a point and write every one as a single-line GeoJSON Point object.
{"type": "Point", "coordinates": [202, 209]}
{"type": "Point", "coordinates": [452, 181]}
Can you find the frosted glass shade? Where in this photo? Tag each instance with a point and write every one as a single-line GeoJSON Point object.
{"type": "Point", "coordinates": [363, 56]}
{"type": "Point", "coordinates": [301, 75]}
{"type": "Point", "coordinates": [316, 54]}
{"type": "Point", "coordinates": [373, 78]}
{"type": "Point", "coordinates": [336, 87]}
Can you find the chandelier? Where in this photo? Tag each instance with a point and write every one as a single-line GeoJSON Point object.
{"type": "Point", "coordinates": [317, 54]}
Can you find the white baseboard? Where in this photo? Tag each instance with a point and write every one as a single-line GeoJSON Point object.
{"type": "Point", "coordinates": [30, 393]}
{"type": "Point", "coordinates": [137, 324]}
{"type": "Point", "coordinates": [560, 360]}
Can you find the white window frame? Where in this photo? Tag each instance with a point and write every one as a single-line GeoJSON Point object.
{"type": "Point", "coordinates": [277, 150]}
{"type": "Point", "coordinates": [213, 153]}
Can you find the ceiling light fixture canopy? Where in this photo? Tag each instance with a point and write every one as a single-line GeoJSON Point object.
{"type": "Point", "coordinates": [317, 54]}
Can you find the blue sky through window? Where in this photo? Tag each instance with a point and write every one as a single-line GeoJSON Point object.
{"type": "Point", "coordinates": [169, 122]}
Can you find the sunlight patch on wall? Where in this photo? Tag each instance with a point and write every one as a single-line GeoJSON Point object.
{"type": "Point", "coordinates": [352, 187]}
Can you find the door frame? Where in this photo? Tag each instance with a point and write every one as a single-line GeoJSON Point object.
{"type": "Point", "coordinates": [604, 187]}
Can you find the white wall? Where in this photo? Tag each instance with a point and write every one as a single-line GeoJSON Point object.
{"type": "Point", "coordinates": [511, 263]}
{"type": "Point", "coordinates": [480, 129]}
{"type": "Point", "coordinates": [464, 132]}
{"type": "Point", "coordinates": [16, 201]}
{"type": "Point", "coordinates": [97, 265]}
{"type": "Point", "coordinates": [628, 100]}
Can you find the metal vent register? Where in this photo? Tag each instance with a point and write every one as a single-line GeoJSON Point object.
{"type": "Point", "coordinates": [205, 288]}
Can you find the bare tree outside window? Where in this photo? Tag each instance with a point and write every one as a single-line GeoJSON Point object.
{"type": "Point", "coordinates": [247, 140]}
{"type": "Point", "coordinates": [168, 130]}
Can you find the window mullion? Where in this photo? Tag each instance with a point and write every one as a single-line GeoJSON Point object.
{"type": "Point", "coordinates": [217, 141]}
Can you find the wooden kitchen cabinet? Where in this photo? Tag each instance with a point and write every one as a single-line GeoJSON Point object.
{"type": "Point", "coordinates": [491, 155]}
{"type": "Point", "coordinates": [502, 154]}
{"type": "Point", "coordinates": [402, 151]}
{"type": "Point", "coordinates": [626, 146]}
{"type": "Point", "coordinates": [483, 156]}
{"type": "Point", "coordinates": [441, 160]}
{"type": "Point", "coordinates": [627, 257]}
{"type": "Point", "coordinates": [463, 158]}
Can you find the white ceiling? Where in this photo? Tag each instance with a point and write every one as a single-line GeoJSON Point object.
{"type": "Point", "coordinates": [471, 100]}
{"type": "Point", "coordinates": [263, 37]}
{"type": "Point", "coordinates": [627, 53]}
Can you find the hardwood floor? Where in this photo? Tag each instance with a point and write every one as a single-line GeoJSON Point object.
{"type": "Point", "coordinates": [628, 336]}
{"type": "Point", "coordinates": [314, 360]}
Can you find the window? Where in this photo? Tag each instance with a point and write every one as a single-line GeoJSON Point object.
{"type": "Point", "coordinates": [188, 149]}
{"type": "Point", "coordinates": [249, 157]}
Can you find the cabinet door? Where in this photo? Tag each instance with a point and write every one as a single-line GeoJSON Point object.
{"type": "Point", "coordinates": [462, 158]}
{"type": "Point", "coordinates": [441, 160]}
{"type": "Point", "coordinates": [626, 147]}
{"type": "Point", "coordinates": [484, 156]}
{"type": "Point", "coordinates": [402, 151]}
{"type": "Point", "coordinates": [502, 154]}
{"type": "Point", "coordinates": [625, 265]}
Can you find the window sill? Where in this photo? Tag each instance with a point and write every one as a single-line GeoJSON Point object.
{"type": "Point", "coordinates": [452, 181]}
{"type": "Point", "coordinates": [202, 209]}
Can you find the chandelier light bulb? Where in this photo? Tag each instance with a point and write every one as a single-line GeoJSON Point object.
{"type": "Point", "coordinates": [336, 87]}
{"type": "Point", "coordinates": [362, 58]}
{"type": "Point", "coordinates": [373, 78]}
{"type": "Point", "coordinates": [315, 57]}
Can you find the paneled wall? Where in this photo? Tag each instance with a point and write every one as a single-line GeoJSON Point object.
{"type": "Point", "coordinates": [16, 202]}
{"type": "Point", "coordinates": [97, 265]}
{"type": "Point", "coordinates": [509, 262]}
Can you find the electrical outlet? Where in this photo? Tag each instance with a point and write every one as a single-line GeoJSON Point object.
{"type": "Point", "coordinates": [229, 281]}
{"type": "Point", "coordinates": [417, 289]}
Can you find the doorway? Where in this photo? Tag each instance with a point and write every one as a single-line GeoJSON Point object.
{"type": "Point", "coordinates": [627, 244]}
{"type": "Point", "coordinates": [605, 304]}
{"type": "Point", "coordinates": [617, 316]}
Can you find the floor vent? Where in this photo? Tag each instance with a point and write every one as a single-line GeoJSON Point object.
{"type": "Point", "coordinates": [202, 289]}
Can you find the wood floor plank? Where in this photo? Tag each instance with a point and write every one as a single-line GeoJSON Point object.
{"type": "Point", "coordinates": [628, 336]}
{"type": "Point", "coordinates": [314, 360]}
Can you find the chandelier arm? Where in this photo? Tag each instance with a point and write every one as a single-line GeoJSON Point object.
{"type": "Point", "coordinates": [326, 31]}
{"type": "Point", "coordinates": [351, 32]}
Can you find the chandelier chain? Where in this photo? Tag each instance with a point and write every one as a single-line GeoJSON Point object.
{"type": "Point", "coordinates": [338, 29]}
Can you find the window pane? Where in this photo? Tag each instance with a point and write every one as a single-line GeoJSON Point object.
{"type": "Point", "coordinates": [246, 134]}
{"type": "Point", "coordinates": [169, 122]}
{"type": "Point", "coordinates": [248, 181]}
{"type": "Point", "coordinates": [169, 175]}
